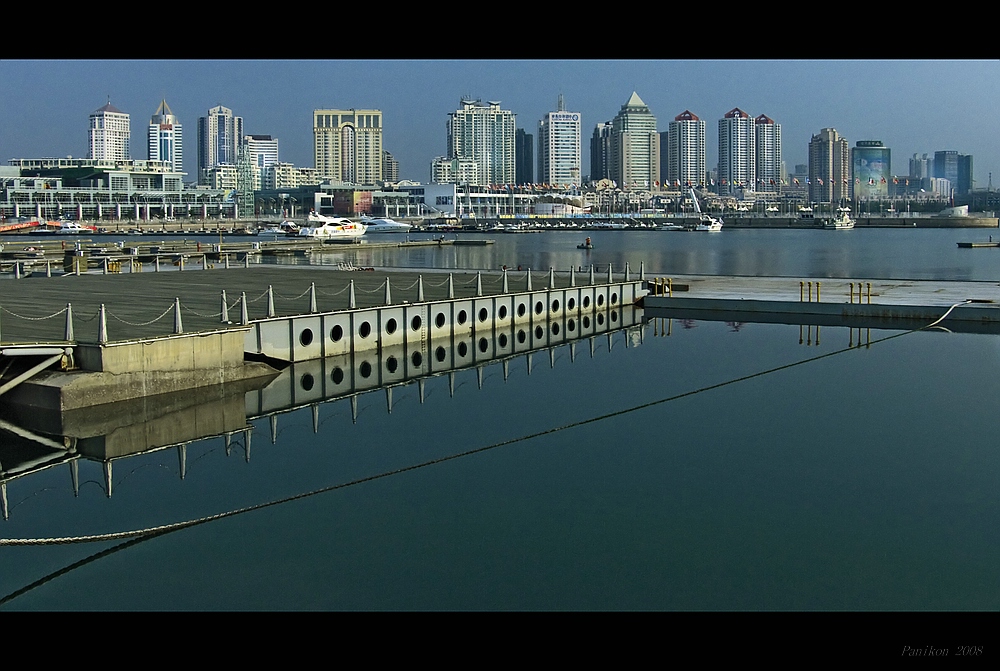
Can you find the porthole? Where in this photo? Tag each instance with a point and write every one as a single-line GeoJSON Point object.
{"type": "Point", "coordinates": [337, 376]}
{"type": "Point", "coordinates": [484, 314]}
{"type": "Point", "coordinates": [391, 364]}
{"type": "Point", "coordinates": [586, 322]}
{"type": "Point", "coordinates": [614, 315]}
{"type": "Point", "coordinates": [306, 337]}
{"type": "Point", "coordinates": [614, 298]}
{"type": "Point", "coordinates": [600, 319]}
{"type": "Point", "coordinates": [600, 300]}
{"type": "Point", "coordinates": [463, 316]}
{"type": "Point", "coordinates": [555, 305]}
{"type": "Point", "coordinates": [520, 309]}
{"type": "Point", "coordinates": [463, 349]}
{"type": "Point", "coordinates": [336, 333]}
{"type": "Point", "coordinates": [571, 325]}
{"type": "Point", "coordinates": [417, 359]}
{"type": "Point", "coordinates": [390, 326]}
{"type": "Point", "coordinates": [307, 381]}
{"type": "Point", "coordinates": [539, 332]}
{"type": "Point", "coordinates": [586, 302]}
{"type": "Point", "coordinates": [539, 306]}
{"type": "Point", "coordinates": [502, 312]}
{"type": "Point", "coordinates": [484, 345]}
{"type": "Point", "coordinates": [416, 322]}
{"type": "Point", "coordinates": [521, 337]}
{"type": "Point", "coordinates": [439, 320]}
{"type": "Point", "coordinates": [440, 354]}
{"type": "Point", "coordinates": [365, 330]}
{"type": "Point", "coordinates": [555, 329]}
{"type": "Point", "coordinates": [571, 303]}
{"type": "Point", "coordinates": [365, 369]}
{"type": "Point", "coordinates": [502, 340]}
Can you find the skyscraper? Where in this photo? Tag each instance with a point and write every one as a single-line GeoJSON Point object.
{"type": "Point", "coordinates": [600, 152]}
{"type": "Point", "coordinates": [829, 167]}
{"type": "Point", "coordinates": [524, 157]}
{"type": "Point", "coordinates": [347, 145]}
{"type": "Point", "coordinates": [483, 134]}
{"type": "Point", "coordinates": [767, 152]}
{"type": "Point", "coordinates": [165, 140]}
{"type": "Point", "coordinates": [686, 161]}
{"type": "Point", "coordinates": [263, 153]}
{"type": "Point", "coordinates": [634, 161]}
{"type": "Point", "coordinates": [219, 137]}
{"type": "Point", "coordinates": [110, 133]}
{"type": "Point", "coordinates": [871, 169]}
{"type": "Point", "coordinates": [737, 152]}
{"type": "Point", "coordinates": [559, 147]}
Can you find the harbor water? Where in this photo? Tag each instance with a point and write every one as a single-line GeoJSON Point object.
{"type": "Point", "coordinates": [674, 465]}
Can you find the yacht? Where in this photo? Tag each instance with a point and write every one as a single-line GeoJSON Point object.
{"type": "Point", "coordinates": [706, 222]}
{"type": "Point", "coordinates": [331, 228]}
{"type": "Point", "coordinates": [385, 225]}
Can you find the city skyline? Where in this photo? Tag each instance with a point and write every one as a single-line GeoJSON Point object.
{"type": "Point", "coordinates": [913, 107]}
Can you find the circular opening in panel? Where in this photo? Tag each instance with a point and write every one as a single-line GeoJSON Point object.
{"type": "Point", "coordinates": [571, 303]}
{"type": "Point", "coordinates": [614, 315]}
{"type": "Point", "coordinates": [463, 349]}
{"type": "Point", "coordinates": [571, 325]}
{"type": "Point", "coordinates": [521, 337]}
{"type": "Point", "coordinates": [337, 376]}
{"type": "Point", "coordinates": [439, 320]}
{"type": "Point", "coordinates": [539, 332]}
{"type": "Point", "coordinates": [521, 309]}
{"type": "Point", "coordinates": [502, 340]}
{"type": "Point", "coordinates": [555, 329]}
{"type": "Point", "coordinates": [306, 337]}
{"type": "Point", "coordinates": [502, 312]}
{"type": "Point", "coordinates": [555, 305]}
{"type": "Point", "coordinates": [416, 322]}
{"type": "Point", "coordinates": [417, 359]}
{"type": "Point", "coordinates": [365, 330]}
{"type": "Point", "coordinates": [336, 333]}
{"type": "Point", "coordinates": [365, 369]}
{"type": "Point", "coordinates": [307, 381]}
{"type": "Point", "coordinates": [600, 319]}
{"type": "Point", "coordinates": [391, 364]}
{"type": "Point", "coordinates": [586, 302]}
{"type": "Point", "coordinates": [440, 353]}
{"type": "Point", "coordinates": [600, 300]}
{"type": "Point", "coordinates": [462, 317]}
{"type": "Point", "coordinates": [614, 298]}
{"type": "Point", "coordinates": [484, 345]}
{"type": "Point", "coordinates": [586, 322]}
{"type": "Point", "coordinates": [390, 326]}
{"type": "Point", "coordinates": [483, 314]}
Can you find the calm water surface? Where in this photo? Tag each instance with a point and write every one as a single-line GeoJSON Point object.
{"type": "Point", "coordinates": [725, 467]}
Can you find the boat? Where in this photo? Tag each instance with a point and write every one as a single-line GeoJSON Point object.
{"type": "Point", "coordinates": [706, 222]}
{"type": "Point", "coordinates": [670, 227]}
{"type": "Point", "coordinates": [331, 228]}
{"type": "Point", "coordinates": [587, 244]}
{"type": "Point", "coordinates": [842, 222]}
{"type": "Point", "coordinates": [385, 225]}
{"type": "Point", "coordinates": [63, 228]}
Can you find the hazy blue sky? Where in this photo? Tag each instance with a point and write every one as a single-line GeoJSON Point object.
{"type": "Point", "coordinates": [912, 106]}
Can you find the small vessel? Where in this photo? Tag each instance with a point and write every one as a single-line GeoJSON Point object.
{"type": "Point", "coordinates": [331, 228]}
{"type": "Point", "coordinates": [385, 225]}
{"type": "Point", "coordinates": [706, 222]}
{"type": "Point", "coordinates": [587, 244]}
{"type": "Point", "coordinates": [841, 222]}
{"type": "Point", "coordinates": [63, 228]}
{"type": "Point", "coordinates": [670, 227]}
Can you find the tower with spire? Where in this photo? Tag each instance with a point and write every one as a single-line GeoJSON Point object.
{"type": "Point", "coordinates": [165, 138]}
{"type": "Point", "coordinates": [634, 161]}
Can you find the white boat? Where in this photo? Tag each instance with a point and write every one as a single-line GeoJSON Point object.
{"type": "Point", "coordinates": [842, 222]}
{"type": "Point", "coordinates": [670, 227]}
{"type": "Point", "coordinates": [385, 225]}
{"type": "Point", "coordinates": [706, 222]}
{"type": "Point", "coordinates": [331, 228]}
{"type": "Point", "coordinates": [63, 228]}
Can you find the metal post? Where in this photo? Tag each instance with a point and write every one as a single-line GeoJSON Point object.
{"type": "Point", "coordinates": [351, 302]}
{"type": "Point", "coordinates": [552, 277]}
{"type": "Point", "coordinates": [204, 261]}
{"type": "Point", "coordinates": [312, 298]}
{"type": "Point", "coordinates": [420, 288]}
{"type": "Point", "coordinates": [244, 317]}
{"type": "Point", "coordinates": [528, 280]}
{"type": "Point", "coordinates": [178, 326]}
{"type": "Point", "coordinates": [105, 265]}
{"type": "Point", "coordinates": [642, 271]}
{"type": "Point", "coordinates": [802, 286]}
{"type": "Point", "coordinates": [817, 291]}
{"type": "Point", "coordinates": [227, 261]}
{"type": "Point", "coordinates": [611, 277]}
{"type": "Point", "coordinates": [451, 286]}
{"type": "Point", "coordinates": [388, 293]}
{"type": "Point", "coordinates": [182, 262]}
{"type": "Point", "coordinates": [156, 266]}
{"type": "Point", "coordinates": [102, 325]}
{"type": "Point", "coordinates": [225, 308]}
{"type": "Point", "coordinates": [626, 272]}
{"type": "Point", "coordinates": [572, 276]}
{"type": "Point", "coordinates": [270, 301]}
{"type": "Point", "coordinates": [48, 268]}
{"type": "Point", "coordinates": [591, 274]}
{"type": "Point", "coordinates": [68, 332]}
{"type": "Point", "coordinates": [246, 260]}
{"type": "Point", "coordinates": [869, 293]}
{"type": "Point", "coordinates": [479, 283]}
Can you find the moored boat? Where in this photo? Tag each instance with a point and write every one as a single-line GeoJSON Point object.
{"type": "Point", "coordinates": [841, 222]}
{"type": "Point", "coordinates": [385, 225]}
{"type": "Point", "coordinates": [331, 228]}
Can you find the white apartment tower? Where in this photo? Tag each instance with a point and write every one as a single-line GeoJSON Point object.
{"type": "Point", "coordinates": [768, 154]}
{"type": "Point", "coordinates": [219, 137]}
{"type": "Point", "coordinates": [737, 157]}
{"type": "Point", "coordinates": [165, 139]}
{"type": "Point", "coordinates": [829, 167]}
{"type": "Point", "coordinates": [109, 134]}
{"type": "Point", "coordinates": [686, 151]}
{"type": "Point", "coordinates": [347, 145]}
{"type": "Point", "coordinates": [263, 153]}
{"type": "Point", "coordinates": [634, 162]}
{"type": "Point", "coordinates": [559, 147]}
{"type": "Point", "coordinates": [483, 134]}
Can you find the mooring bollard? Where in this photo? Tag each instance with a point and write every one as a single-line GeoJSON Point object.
{"type": "Point", "coordinates": [156, 263]}
{"type": "Point", "coordinates": [225, 308]}
{"type": "Point", "coordinates": [505, 287]}
{"type": "Point", "coordinates": [611, 277]}
{"type": "Point", "coordinates": [572, 276]}
{"type": "Point", "coordinates": [626, 271]}
{"type": "Point", "coordinates": [246, 260]}
{"type": "Point", "coordinates": [68, 332]}
{"type": "Point", "coordinates": [244, 317]}
{"type": "Point", "coordinates": [642, 271]}
{"type": "Point", "coordinates": [528, 280]}
{"type": "Point", "coordinates": [388, 293]}
{"type": "Point", "coordinates": [420, 288]}
{"type": "Point", "coordinates": [479, 283]}
{"type": "Point", "coordinates": [270, 301]}
{"type": "Point", "coordinates": [351, 302]}
{"type": "Point", "coordinates": [552, 278]}
{"type": "Point", "coordinates": [178, 326]}
{"type": "Point", "coordinates": [591, 274]}
{"type": "Point", "coordinates": [451, 286]}
{"type": "Point", "coordinates": [312, 298]}
{"type": "Point", "coordinates": [102, 325]}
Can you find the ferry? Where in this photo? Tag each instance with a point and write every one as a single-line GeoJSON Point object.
{"type": "Point", "coordinates": [842, 222]}
{"type": "Point", "coordinates": [331, 228]}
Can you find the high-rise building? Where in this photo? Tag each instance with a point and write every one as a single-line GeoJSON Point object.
{"type": "Point", "coordinates": [524, 157]}
{"type": "Point", "coordinates": [686, 157]}
{"type": "Point", "coordinates": [767, 154]}
{"type": "Point", "coordinates": [956, 168]}
{"type": "Point", "coordinates": [965, 181]}
{"type": "Point", "coordinates": [737, 152]}
{"type": "Point", "coordinates": [871, 169]}
{"type": "Point", "coordinates": [390, 167]}
{"type": "Point", "coordinates": [110, 133]}
{"type": "Point", "coordinates": [600, 152]}
{"type": "Point", "coordinates": [559, 147]}
{"type": "Point", "coordinates": [921, 167]}
{"type": "Point", "coordinates": [483, 134]}
{"type": "Point", "coordinates": [165, 140]}
{"type": "Point", "coordinates": [347, 145]}
{"type": "Point", "coordinates": [829, 167]}
{"type": "Point", "coordinates": [263, 153]}
{"type": "Point", "coordinates": [634, 161]}
{"type": "Point", "coordinates": [219, 137]}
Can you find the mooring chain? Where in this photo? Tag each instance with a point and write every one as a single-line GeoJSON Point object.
{"type": "Point", "coordinates": [332, 293]}
{"type": "Point", "coordinates": [117, 318]}
{"type": "Point", "coordinates": [32, 319]}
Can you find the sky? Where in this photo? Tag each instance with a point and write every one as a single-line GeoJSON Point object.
{"type": "Point", "coordinates": [913, 106]}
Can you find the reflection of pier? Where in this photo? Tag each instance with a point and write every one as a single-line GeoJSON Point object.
{"type": "Point", "coordinates": [32, 442]}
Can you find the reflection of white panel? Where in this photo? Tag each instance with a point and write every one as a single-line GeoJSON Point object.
{"type": "Point", "coordinates": [586, 325]}
{"type": "Point", "coordinates": [485, 346]}
{"type": "Point", "coordinates": [366, 370]}
{"type": "Point", "coordinates": [521, 340]}
{"type": "Point", "coordinates": [503, 343]}
{"type": "Point", "coordinates": [278, 394]}
{"type": "Point", "coordinates": [539, 335]}
{"type": "Point", "coordinates": [463, 353]}
{"type": "Point", "coordinates": [307, 338]}
{"type": "Point", "coordinates": [393, 364]}
{"type": "Point", "coordinates": [557, 331]}
{"type": "Point", "coordinates": [572, 325]}
{"type": "Point", "coordinates": [307, 378]}
{"type": "Point", "coordinates": [440, 358]}
{"type": "Point", "coordinates": [338, 371]}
